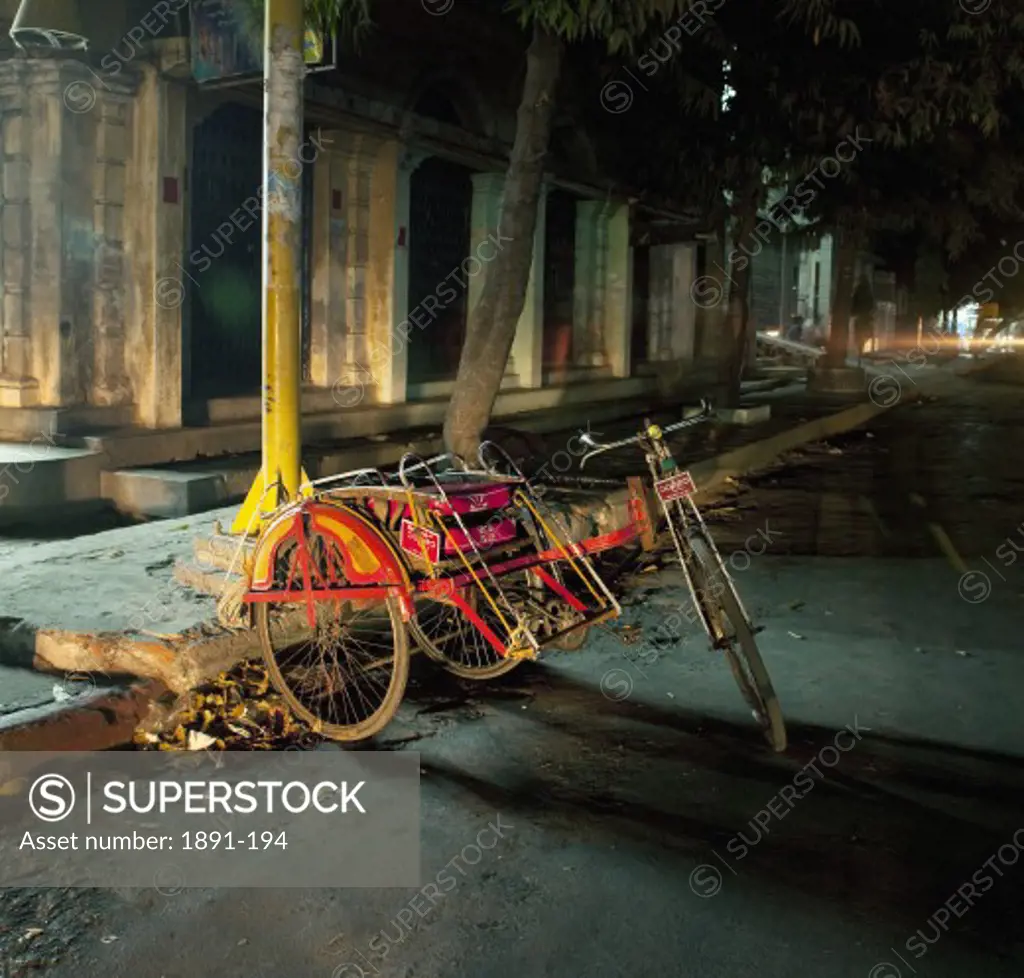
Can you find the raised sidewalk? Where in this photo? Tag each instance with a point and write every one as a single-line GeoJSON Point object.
{"type": "Point", "coordinates": [98, 629]}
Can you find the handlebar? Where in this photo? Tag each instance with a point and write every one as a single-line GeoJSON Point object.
{"type": "Point", "coordinates": [706, 413]}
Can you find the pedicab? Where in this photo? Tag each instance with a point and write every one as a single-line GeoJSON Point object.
{"type": "Point", "coordinates": [476, 568]}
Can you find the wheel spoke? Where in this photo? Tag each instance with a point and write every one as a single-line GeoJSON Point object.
{"type": "Point", "coordinates": [347, 672]}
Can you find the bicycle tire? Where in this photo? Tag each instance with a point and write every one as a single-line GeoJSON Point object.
{"type": "Point", "coordinates": [340, 732]}
{"type": "Point", "coordinates": [389, 625]}
{"type": "Point", "coordinates": [435, 650]}
{"type": "Point", "coordinates": [753, 681]}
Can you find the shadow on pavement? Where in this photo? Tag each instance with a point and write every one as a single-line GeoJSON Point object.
{"type": "Point", "coordinates": [890, 832]}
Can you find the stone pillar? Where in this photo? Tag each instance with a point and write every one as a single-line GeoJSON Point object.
{"type": "Point", "coordinates": [711, 298]}
{"type": "Point", "coordinates": [51, 199]}
{"type": "Point", "coordinates": [485, 213]}
{"type": "Point", "coordinates": [154, 246]}
{"type": "Point", "coordinates": [525, 359]}
{"type": "Point", "coordinates": [528, 346]}
{"type": "Point", "coordinates": [328, 244]}
{"type": "Point", "coordinates": [52, 321]}
{"type": "Point", "coordinates": [387, 270]}
{"type": "Point", "coordinates": [109, 313]}
{"type": "Point", "coordinates": [342, 195]}
{"type": "Point", "coordinates": [672, 320]}
{"type": "Point", "coordinates": [588, 290]}
{"type": "Point", "coordinates": [18, 387]}
{"type": "Point", "coordinates": [618, 288]}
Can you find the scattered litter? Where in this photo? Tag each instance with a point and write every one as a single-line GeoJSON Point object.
{"type": "Point", "coordinates": [797, 605]}
{"type": "Point", "coordinates": [630, 634]}
{"type": "Point", "coordinates": [869, 434]}
{"type": "Point", "coordinates": [239, 699]}
{"type": "Point", "coordinates": [963, 653]}
{"type": "Point", "coordinates": [108, 939]}
{"type": "Point", "coordinates": [794, 635]}
{"type": "Point", "coordinates": [32, 932]}
{"type": "Point", "coordinates": [197, 740]}
{"type": "Point", "coordinates": [671, 696]}
{"type": "Point", "coordinates": [650, 569]}
{"type": "Point", "coordinates": [60, 694]}
{"type": "Point", "coordinates": [242, 942]}
{"type": "Point", "coordinates": [828, 612]}
{"type": "Point", "coordinates": [832, 450]}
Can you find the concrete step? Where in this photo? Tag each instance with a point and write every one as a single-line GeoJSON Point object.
{"type": "Point", "coordinates": [164, 493]}
{"type": "Point", "coordinates": [24, 424]}
{"type": "Point", "coordinates": [139, 448]}
{"type": "Point", "coordinates": [41, 477]}
{"type": "Point", "coordinates": [189, 488]}
{"type": "Point", "coordinates": [193, 488]}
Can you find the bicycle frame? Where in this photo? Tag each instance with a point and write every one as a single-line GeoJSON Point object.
{"type": "Point", "coordinates": [682, 515]}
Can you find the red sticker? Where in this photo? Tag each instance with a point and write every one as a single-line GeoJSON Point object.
{"type": "Point", "coordinates": [679, 486]}
{"type": "Point", "coordinates": [419, 541]}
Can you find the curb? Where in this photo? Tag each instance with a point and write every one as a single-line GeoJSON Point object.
{"type": "Point", "coordinates": [98, 721]}
{"type": "Point", "coordinates": [712, 474]}
{"type": "Point", "coordinates": [180, 663]}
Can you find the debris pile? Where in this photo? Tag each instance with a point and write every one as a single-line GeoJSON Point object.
{"type": "Point", "coordinates": [239, 710]}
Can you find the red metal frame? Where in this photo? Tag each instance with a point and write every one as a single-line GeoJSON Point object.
{"type": "Point", "coordinates": [390, 574]}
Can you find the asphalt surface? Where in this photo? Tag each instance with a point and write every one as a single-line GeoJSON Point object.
{"type": "Point", "coordinates": [646, 828]}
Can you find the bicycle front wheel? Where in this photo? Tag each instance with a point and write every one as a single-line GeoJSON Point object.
{"type": "Point", "coordinates": [716, 593]}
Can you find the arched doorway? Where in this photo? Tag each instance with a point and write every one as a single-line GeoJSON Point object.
{"type": "Point", "coordinates": [441, 198]}
{"type": "Point", "coordinates": [559, 278]}
{"type": "Point", "coordinates": [222, 266]}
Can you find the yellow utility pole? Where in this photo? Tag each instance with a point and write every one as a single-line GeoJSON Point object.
{"type": "Point", "coordinates": [281, 472]}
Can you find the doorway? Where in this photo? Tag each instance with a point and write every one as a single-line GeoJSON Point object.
{"type": "Point", "coordinates": [441, 198]}
{"type": "Point", "coordinates": [559, 278]}
{"type": "Point", "coordinates": [223, 272]}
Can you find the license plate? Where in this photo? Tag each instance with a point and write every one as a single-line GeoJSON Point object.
{"type": "Point", "coordinates": [419, 541]}
{"type": "Point", "coordinates": [679, 486]}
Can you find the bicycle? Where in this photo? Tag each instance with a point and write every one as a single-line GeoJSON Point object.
{"type": "Point", "coordinates": [725, 620]}
{"type": "Point", "coordinates": [470, 564]}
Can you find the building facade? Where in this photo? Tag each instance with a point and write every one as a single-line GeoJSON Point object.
{"type": "Point", "coordinates": [131, 214]}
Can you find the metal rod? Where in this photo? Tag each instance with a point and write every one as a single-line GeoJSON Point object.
{"type": "Point", "coordinates": [282, 217]}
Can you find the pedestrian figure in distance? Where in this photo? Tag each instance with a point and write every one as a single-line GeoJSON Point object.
{"type": "Point", "coordinates": [863, 315]}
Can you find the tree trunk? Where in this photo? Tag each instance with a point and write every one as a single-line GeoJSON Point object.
{"type": "Point", "coordinates": [842, 297]}
{"type": "Point", "coordinates": [491, 327]}
{"type": "Point", "coordinates": [737, 316]}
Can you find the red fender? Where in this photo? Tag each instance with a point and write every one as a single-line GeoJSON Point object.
{"type": "Point", "coordinates": [368, 558]}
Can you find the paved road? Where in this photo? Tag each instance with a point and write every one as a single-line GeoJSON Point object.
{"type": "Point", "coordinates": [651, 833]}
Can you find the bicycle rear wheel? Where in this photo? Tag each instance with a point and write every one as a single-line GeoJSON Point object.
{"type": "Point", "coordinates": [716, 592]}
{"type": "Point", "coordinates": [448, 637]}
{"type": "Point", "coordinates": [345, 675]}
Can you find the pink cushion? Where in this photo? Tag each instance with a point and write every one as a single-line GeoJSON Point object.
{"type": "Point", "coordinates": [468, 497]}
{"type": "Point", "coordinates": [489, 535]}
